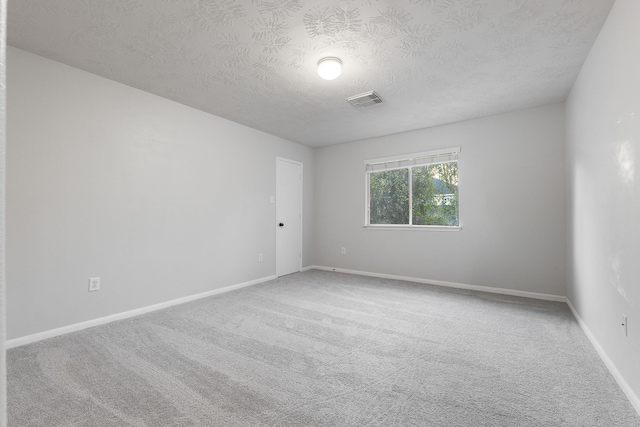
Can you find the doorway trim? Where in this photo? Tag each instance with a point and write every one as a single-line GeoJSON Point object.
{"type": "Point", "coordinates": [301, 231]}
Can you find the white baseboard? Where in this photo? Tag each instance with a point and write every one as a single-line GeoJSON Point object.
{"type": "Point", "coordinates": [534, 295]}
{"type": "Point", "coordinates": [28, 339]}
{"type": "Point", "coordinates": [635, 401]}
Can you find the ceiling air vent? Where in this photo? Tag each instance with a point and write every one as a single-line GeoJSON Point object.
{"type": "Point", "coordinates": [366, 99]}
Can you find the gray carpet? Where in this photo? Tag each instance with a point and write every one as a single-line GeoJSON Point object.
{"type": "Point", "coordinates": [323, 349]}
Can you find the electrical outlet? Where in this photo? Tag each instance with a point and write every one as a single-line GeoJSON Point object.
{"type": "Point", "coordinates": [624, 325]}
{"type": "Point", "coordinates": [260, 257]}
{"type": "Point", "coordinates": [94, 284]}
{"type": "Point", "coordinates": [343, 251]}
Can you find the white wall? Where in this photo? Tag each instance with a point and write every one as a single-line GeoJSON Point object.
{"type": "Point", "coordinates": [159, 200]}
{"type": "Point", "coordinates": [603, 157]}
{"type": "Point", "coordinates": [512, 206]}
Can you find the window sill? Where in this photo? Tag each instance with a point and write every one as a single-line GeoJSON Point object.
{"type": "Point", "coordinates": [413, 227]}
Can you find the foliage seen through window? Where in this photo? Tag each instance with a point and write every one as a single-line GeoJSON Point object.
{"type": "Point", "coordinates": [433, 190]}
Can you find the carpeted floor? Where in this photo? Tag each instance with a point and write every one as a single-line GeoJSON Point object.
{"type": "Point", "coordinates": [323, 349]}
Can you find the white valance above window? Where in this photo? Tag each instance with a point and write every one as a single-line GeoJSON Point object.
{"type": "Point", "coordinates": [415, 159]}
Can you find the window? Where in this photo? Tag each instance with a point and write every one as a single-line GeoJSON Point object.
{"type": "Point", "coordinates": [417, 190]}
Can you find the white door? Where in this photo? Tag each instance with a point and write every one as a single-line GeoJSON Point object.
{"type": "Point", "coordinates": [288, 216]}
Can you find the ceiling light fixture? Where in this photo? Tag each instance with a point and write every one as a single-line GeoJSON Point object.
{"type": "Point", "coordinates": [329, 68]}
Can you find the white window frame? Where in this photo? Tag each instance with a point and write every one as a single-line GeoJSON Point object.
{"type": "Point", "coordinates": [407, 161]}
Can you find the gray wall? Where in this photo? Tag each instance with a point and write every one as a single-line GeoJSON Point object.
{"type": "Point", "coordinates": [512, 206]}
{"type": "Point", "coordinates": [159, 200]}
{"type": "Point", "coordinates": [603, 140]}
{"type": "Point", "coordinates": [3, 46]}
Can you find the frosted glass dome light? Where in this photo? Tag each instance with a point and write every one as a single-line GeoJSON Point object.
{"type": "Point", "coordinates": [329, 68]}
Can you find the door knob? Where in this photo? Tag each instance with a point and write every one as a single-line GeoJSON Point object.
{"type": "Point", "coordinates": [281, 224]}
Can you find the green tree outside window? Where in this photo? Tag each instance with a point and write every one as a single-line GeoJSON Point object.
{"type": "Point", "coordinates": [434, 195]}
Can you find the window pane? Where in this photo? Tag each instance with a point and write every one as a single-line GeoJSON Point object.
{"type": "Point", "coordinates": [389, 197]}
{"type": "Point", "coordinates": [435, 194]}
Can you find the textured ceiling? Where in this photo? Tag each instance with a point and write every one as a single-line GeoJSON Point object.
{"type": "Point", "coordinates": [254, 61]}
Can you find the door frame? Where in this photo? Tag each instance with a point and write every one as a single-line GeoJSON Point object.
{"type": "Point", "coordinates": [275, 224]}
